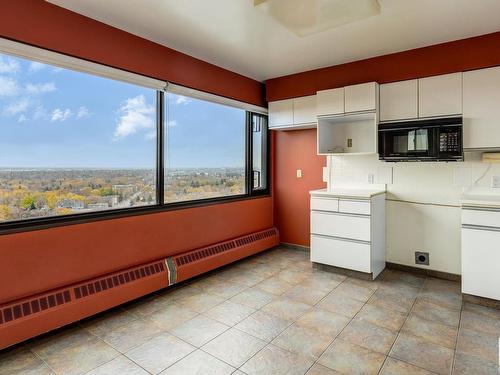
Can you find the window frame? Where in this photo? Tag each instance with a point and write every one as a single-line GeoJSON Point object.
{"type": "Point", "coordinates": [40, 223]}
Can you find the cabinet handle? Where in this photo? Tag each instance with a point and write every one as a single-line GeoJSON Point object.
{"type": "Point", "coordinates": [480, 227]}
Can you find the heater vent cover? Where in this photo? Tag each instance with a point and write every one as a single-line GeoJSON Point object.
{"type": "Point", "coordinates": [206, 252]}
{"type": "Point", "coordinates": [112, 281]}
{"type": "Point", "coordinates": [33, 306]}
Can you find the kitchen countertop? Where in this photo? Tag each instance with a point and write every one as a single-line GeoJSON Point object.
{"type": "Point", "coordinates": [348, 192]}
{"type": "Point", "coordinates": [480, 200]}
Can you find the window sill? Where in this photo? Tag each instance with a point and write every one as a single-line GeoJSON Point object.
{"type": "Point", "coordinates": [74, 219]}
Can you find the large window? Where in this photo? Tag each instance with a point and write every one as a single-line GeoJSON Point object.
{"type": "Point", "coordinates": [72, 142]}
{"type": "Point", "coordinates": [205, 154]}
{"type": "Point", "coordinates": [76, 145]}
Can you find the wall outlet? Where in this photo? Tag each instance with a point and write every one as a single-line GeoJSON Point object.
{"type": "Point", "coordinates": [421, 258]}
{"type": "Point", "coordinates": [326, 174]}
{"type": "Point", "coordinates": [495, 182]}
{"type": "Point", "coordinates": [299, 173]}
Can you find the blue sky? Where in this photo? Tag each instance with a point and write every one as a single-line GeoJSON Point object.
{"type": "Point", "coordinates": [58, 118]}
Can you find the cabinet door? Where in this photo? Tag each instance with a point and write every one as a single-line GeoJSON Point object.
{"type": "Point", "coordinates": [330, 102]}
{"type": "Point", "coordinates": [340, 253]}
{"type": "Point", "coordinates": [281, 113]}
{"type": "Point", "coordinates": [361, 97]}
{"type": "Point", "coordinates": [340, 225]}
{"type": "Point", "coordinates": [440, 95]}
{"type": "Point", "coordinates": [304, 110]}
{"type": "Point", "coordinates": [399, 100]}
{"type": "Point", "coordinates": [481, 263]}
{"type": "Point", "coordinates": [482, 108]}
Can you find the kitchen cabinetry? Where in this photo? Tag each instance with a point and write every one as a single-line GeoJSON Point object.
{"type": "Point", "coordinates": [481, 90]}
{"type": "Point", "coordinates": [420, 98]}
{"type": "Point", "coordinates": [330, 102]}
{"type": "Point", "coordinates": [481, 251]}
{"type": "Point", "coordinates": [280, 113]}
{"type": "Point", "coordinates": [304, 110]}
{"type": "Point", "coordinates": [348, 230]}
{"type": "Point", "coordinates": [296, 113]}
{"type": "Point", "coordinates": [399, 100]}
{"type": "Point", "coordinates": [348, 134]}
{"type": "Point", "coordinates": [440, 95]}
{"type": "Point", "coordinates": [349, 99]}
{"type": "Point", "coordinates": [362, 97]}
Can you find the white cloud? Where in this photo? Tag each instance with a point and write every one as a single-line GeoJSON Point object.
{"type": "Point", "coordinates": [8, 65]}
{"type": "Point", "coordinates": [135, 115]}
{"type": "Point", "coordinates": [171, 123]}
{"type": "Point", "coordinates": [8, 86]}
{"type": "Point", "coordinates": [61, 115]}
{"type": "Point", "coordinates": [22, 118]}
{"type": "Point", "coordinates": [182, 100]}
{"type": "Point", "coordinates": [40, 88]}
{"type": "Point", "coordinates": [17, 107]}
{"type": "Point", "coordinates": [36, 66]}
{"type": "Point", "coordinates": [83, 112]}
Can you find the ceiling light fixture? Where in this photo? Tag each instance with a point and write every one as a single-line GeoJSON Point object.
{"type": "Point", "coordinates": [305, 17]}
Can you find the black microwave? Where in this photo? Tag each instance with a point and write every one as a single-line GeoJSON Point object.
{"type": "Point", "coordinates": [438, 139]}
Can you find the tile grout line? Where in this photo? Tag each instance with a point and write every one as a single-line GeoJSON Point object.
{"type": "Point", "coordinates": [292, 322]}
{"type": "Point", "coordinates": [43, 361]}
{"type": "Point", "coordinates": [456, 339]}
{"type": "Point", "coordinates": [401, 328]}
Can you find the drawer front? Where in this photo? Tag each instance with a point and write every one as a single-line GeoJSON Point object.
{"type": "Point", "coordinates": [340, 225]}
{"type": "Point", "coordinates": [355, 207]}
{"type": "Point", "coordinates": [340, 253]}
{"type": "Point", "coordinates": [481, 217]}
{"type": "Point", "coordinates": [325, 204]}
{"type": "Point", "coordinates": [481, 263]}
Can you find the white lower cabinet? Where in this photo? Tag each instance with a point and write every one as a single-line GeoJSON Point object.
{"type": "Point", "coordinates": [349, 232]}
{"type": "Point", "coordinates": [343, 253]}
{"type": "Point", "coordinates": [481, 252]}
{"type": "Point", "coordinates": [341, 225]}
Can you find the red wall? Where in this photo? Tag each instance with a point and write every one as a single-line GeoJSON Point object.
{"type": "Point", "coordinates": [40, 260]}
{"type": "Point", "coordinates": [48, 26]}
{"type": "Point", "coordinates": [295, 149]}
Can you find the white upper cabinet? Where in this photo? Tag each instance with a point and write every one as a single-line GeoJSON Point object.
{"type": "Point", "coordinates": [482, 108]}
{"type": "Point", "coordinates": [440, 95]}
{"type": "Point", "coordinates": [399, 100]}
{"type": "Point", "coordinates": [296, 113]}
{"type": "Point", "coordinates": [280, 113]}
{"type": "Point", "coordinates": [363, 97]}
{"type": "Point", "coordinates": [330, 102]}
{"type": "Point", "coordinates": [304, 110]}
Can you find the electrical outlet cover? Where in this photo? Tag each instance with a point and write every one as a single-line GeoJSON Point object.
{"type": "Point", "coordinates": [495, 182]}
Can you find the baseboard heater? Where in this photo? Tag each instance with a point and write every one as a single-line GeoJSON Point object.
{"type": "Point", "coordinates": [34, 315]}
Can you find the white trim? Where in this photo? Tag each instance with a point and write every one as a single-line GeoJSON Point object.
{"type": "Point", "coordinates": [181, 90]}
{"type": "Point", "coordinates": [64, 61]}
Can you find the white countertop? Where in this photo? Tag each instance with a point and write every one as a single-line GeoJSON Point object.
{"type": "Point", "coordinates": [348, 192]}
{"type": "Point", "coordinates": [480, 200]}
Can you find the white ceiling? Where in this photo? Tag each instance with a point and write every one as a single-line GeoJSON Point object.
{"type": "Point", "coordinates": [234, 35]}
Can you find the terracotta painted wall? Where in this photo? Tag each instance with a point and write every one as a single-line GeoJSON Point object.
{"type": "Point", "coordinates": [291, 203]}
{"type": "Point", "coordinates": [40, 260]}
{"type": "Point", "coordinates": [295, 150]}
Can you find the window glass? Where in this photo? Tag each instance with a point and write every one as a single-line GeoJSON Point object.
{"type": "Point", "coordinates": [259, 151]}
{"type": "Point", "coordinates": [71, 142]}
{"type": "Point", "coordinates": [205, 149]}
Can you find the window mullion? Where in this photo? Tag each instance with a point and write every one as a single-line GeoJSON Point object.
{"type": "Point", "coordinates": [160, 147]}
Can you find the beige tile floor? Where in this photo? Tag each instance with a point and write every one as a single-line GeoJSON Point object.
{"type": "Point", "coordinates": [274, 314]}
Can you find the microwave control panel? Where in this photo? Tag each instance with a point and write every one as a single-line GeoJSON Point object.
{"type": "Point", "coordinates": [449, 142]}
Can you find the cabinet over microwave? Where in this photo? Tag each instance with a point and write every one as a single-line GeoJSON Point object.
{"type": "Point", "coordinates": [439, 139]}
